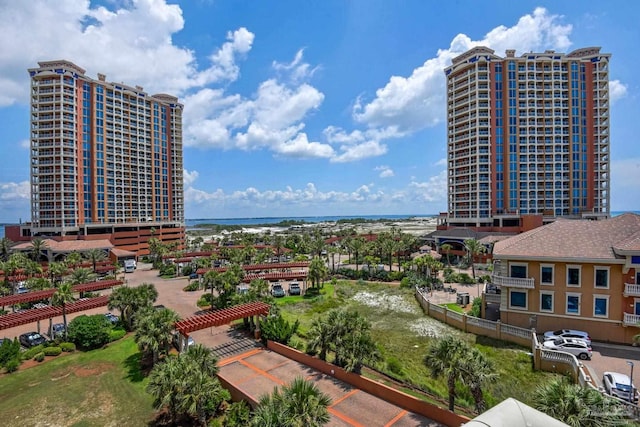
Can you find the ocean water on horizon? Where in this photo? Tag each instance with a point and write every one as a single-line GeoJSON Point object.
{"type": "Point", "coordinates": [309, 219]}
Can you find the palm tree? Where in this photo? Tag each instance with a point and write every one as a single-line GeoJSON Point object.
{"type": "Point", "coordinates": [478, 371]}
{"type": "Point", "coordinates": [62, 297]}
{"type": "Point", "coordinates": [318, 271]}
{"type": "Point", "coordinates": [357, 245]}
{"type": "Point", "coordinates": [73, 259]}
{"type": "Point", "coordinates": [298, 404]}
{"type": "Point", "coordinates": [165, 380]}
{"type": "Point", "coordinates": [306, 404]}
{"type": "Point", "coordinates": [81, 275]}
{"type": "Point", "coordinates": [5, 248]}
{"type": "Point", "coordinates": [95, 255]}
{"type": "Point", "coordinates": [154, 331]}
{"type": "Point", "coordinates": [473, 248]}
{"type": "Point", "coordinates": [202, 393]}
{"type": "Point", "coordinates": [130, 301]}
{"type": "Point", "coordinates": [204, 358]}
{"type": "Point", "coordinates": [56, 271]}
{"type": "Point", "coordinates": [319, 338]}
{"type": "Point", "coordinates": [211, 279]}
{"type": "Point", "coordinates": [446, 249]}
{"type": "Point", "coordinates": [37, 246]}
{"type": "Point", "coordinates": [445, 358]}
{"type": "Point", "coordinates": [576, 405]}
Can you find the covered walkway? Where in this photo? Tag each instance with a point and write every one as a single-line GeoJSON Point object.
{"type": "Point", "coordinates": [221, 317]}
{"type": "Point", "coordinates": [48, 293]}
{"type": "Point", "coordinates": [36, 314]}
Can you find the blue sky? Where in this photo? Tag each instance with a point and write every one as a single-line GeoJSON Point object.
{"type": "Point", "coordinates": [297, 108]}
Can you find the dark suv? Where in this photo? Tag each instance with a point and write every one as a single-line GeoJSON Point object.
{"type": "Point", "coordinates": [31, 339]}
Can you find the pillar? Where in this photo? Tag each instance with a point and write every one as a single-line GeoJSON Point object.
{"type": "Point", "coordinates": [256, 332]}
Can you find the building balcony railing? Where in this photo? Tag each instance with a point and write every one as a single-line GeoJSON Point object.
{"type": "Point", "coordinates": [631, 320]}
{"type": "Point", "coordinates": [513, 282]}
{"type": "Point", "coordinates": [631, 290]}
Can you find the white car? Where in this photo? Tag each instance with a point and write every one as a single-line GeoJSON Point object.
{"type": "Point", "coordinates": [619, 385]}
{"type": "Point", "coordinates": [577, 347]}
{"type": "Point", "coordinates": [568, 333]}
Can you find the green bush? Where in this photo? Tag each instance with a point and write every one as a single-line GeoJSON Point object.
{"type": "Point", "coordinates": [13, 364]}
{"type": "Point", "coordinates": [405, 283]}
{"type": "Point", "coordinates": [476, 307]}
{"type": "Point", "coordinates": [89, 332]}
{"type": "Point", "coordinates": [9, 350]}
{"type": "Point", "coordinates": [68, 347]}
{"type": "Point", "coordinates": [205, 300]}
{"type": "Point", "coordinates": [52, 351]}
{"type": "Point", "coordinates": [193, 286]}
{"type": "Point", "coordinates": [32, 352]}
{"type": "Point", "coordinates": [276, 328]}
{"type": "Point", "coordinates": [39, 357]}
{"type": "Point", "coordinates": [237, 415]}
{"type": "Point", "coordinates": [116, 334]}
{"type": "Point", "coordinates": [394, 366]}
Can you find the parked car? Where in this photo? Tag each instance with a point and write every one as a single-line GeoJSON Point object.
{"type": "Point", "coordinates": [294, 288]}
{"type": "Point", "coordinates": [31, 339]}
{"type": "Point", "coordinates": [176, 341]}
{"type": "Point", "coordinates": [57, 330]}
{"type": "Point", "coordinates": [112, 318]}
{"type": "Point", "coordinates": [577, 347]}
{"type": "Point", "coordinates": [277, 290]}
{"type": "Point", "coordinates": [619, 385]}
{"type": "Point", "coordinates": [568, 333]}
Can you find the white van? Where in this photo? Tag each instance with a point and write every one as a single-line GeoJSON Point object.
{"type": "Point", "coordinates": [129, 265]}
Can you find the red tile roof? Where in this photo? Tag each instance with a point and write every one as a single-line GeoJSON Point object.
{"type": "Point", "coordinates": [578, 239]}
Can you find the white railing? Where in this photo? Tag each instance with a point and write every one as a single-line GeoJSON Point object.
{"type": "Point", "coordinates": [454, 315]}
{"type": "Point", "coordinates": [631, 319]}
{"type": "Point", "coordinates": [631, 289]}
{"type": "Point", "coordinates": [516, 331]}
{"type": "Point", "coordinates": [514, 282]}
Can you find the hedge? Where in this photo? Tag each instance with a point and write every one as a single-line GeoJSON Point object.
{"type": "Point", "coordinates": [116, 334]}
{"type": "Point", "coordinates": [68, 347]}
{"type": "Point", "coordinates": [52, 351]}
{"type": "Point", "coordinates": [39, 357]}
{"type": "Point", "coordinates": [32, 352]}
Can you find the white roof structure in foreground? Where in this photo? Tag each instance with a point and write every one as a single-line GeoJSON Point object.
{"type": "Point", "coordinates": [513, 413]}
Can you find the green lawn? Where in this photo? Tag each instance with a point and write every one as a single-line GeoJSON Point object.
{"type": "Point", "coordinates": [98, 388]}
{"type": "Point", "coordinates": [403, 333]}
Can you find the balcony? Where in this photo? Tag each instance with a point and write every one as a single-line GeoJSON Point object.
{"type": "Point", "coordinates": [631, 290]}
{"type": "Point", "coordinates": [631, 320]}
{"type": "Point", "coordinates": [513, 282]}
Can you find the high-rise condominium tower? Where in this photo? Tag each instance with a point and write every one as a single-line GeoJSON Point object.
{"type": "Point", "coordinates": [527, 135]}
{"type": "Point", "coordinates": [105, 157]}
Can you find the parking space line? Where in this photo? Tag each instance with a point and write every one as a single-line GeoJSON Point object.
{"type": "Point", "coordinates": [396, 418]}
{"type": "Point", "coordinates": [261, 372]}
{"type": "Point", "coordinates": [344, 417]}
{"type": "Point", "coordinates": [345, 396]}
{"type": "Point", "coordinates": [231, 359]}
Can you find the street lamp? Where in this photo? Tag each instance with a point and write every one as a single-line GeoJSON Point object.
{"type": "Point", "coordinates": [630, 363]}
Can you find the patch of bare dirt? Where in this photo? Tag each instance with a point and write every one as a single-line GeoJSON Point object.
{"type": "Point", "coordinates": [93, 369]}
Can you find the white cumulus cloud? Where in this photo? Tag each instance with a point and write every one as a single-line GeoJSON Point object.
{"type": "Point", "coordinates": [385, 171]}
{"type": "Point", "coordinates": [617, 90]}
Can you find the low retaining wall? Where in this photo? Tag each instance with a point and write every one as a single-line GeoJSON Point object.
{"type": "Point", "coordinates": [374, 388]}
{"type": "Point", "coordinates": [236, 394]}
{"type": "Point", "coordinates": [475, 325]}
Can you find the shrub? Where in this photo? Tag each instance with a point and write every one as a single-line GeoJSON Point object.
{"type": "Point", "coordinates": [52, 351]}
{"type": "Point", "coordinates": [9, 350]}
{"type": "Point", "coordinates": [394, 366]}
{"type": "Point", "coordinates": [68, 347]}
{"type": "Point", "coordinates": [39, 357]}
{"type": "Point", "coordinates": [116, 334]}
{"type": "Point", "coordinates": [405, 283]}
{"type": "Point", "coordinates": [205, 301]}
{"type": "Point", "coordinates": [89, 332]}
{"type": "Point", "coordinates": [193, 286]}
{"type": "Point", "coordinates": [476, 307]}
{"type": "Point", "coordinates": [238, 414]}
{"type": "Point", "coordinates": [168, 270]}
{"type": "Point", "coordinates": [276, 328]}
{"type": "Point", "coordinates": [13, 364]}
{"type": "Point", "coordinates": [32, 352]}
